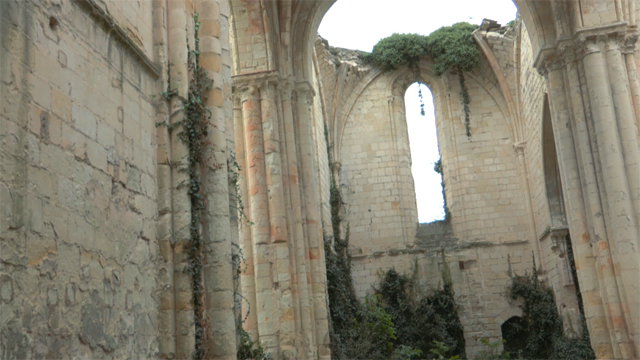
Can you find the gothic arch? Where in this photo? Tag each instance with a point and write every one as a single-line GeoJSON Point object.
{"type": "Point", "coordinates": [507, 314]}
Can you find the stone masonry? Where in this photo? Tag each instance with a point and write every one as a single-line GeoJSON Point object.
{"type": "Point", "coordinates": [94, 214]}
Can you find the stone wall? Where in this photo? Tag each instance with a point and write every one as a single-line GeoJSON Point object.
{"type": "Point", "coordinates": [78, 184]}
{"type": "Point", "coordinates": [94, 216]}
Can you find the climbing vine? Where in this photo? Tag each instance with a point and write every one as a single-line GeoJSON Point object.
{"type": "Point", "coordinates": [542, 326]}
{"type": "Point", "coordinates": [451, 48]}
{"type": "Point", "coordinates": [194, 129]}
{"type": "Point", "coordinates": [234, 178]}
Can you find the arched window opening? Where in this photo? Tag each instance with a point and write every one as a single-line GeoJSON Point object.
{"type": "Point", "coordinates": [514, 333]}
{"type": "Point", "coordinates": [425, 156]}
{"type": "Point", "coordinates": [551, 170]}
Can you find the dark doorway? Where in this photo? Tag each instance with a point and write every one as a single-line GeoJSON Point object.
{"type": "Point", "coordinates": [514, 333]}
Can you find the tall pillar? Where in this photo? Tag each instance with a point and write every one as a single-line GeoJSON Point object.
{"type": "Point", "coordinates": [217, 234]}
{"type": "Point", "coordinates": [300, 275]}
{"type": "Point", "coordinates": [620, 219]}
{"type": "Point", "coordinates": [247, 278]}
{"type": "Point", "coordinates": [571, 174]}
{"type": "Point", "coordinates": [164, 228]}
{"type": "Point", "coordinates": [601, 264]}
{"type": "Point", "coordinates": [258, 199]}
{"type": "Point", "coordinates": [181, 214]}
{"type": "Point", "coordinates": [271, 124]}
{"type": "Point", "coordinates": [288, 285]}
{"type": "Point", "coordinates": [304, 96]}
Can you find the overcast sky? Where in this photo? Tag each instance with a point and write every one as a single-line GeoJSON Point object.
{"type": "Point", "coordinates": [360, 24]}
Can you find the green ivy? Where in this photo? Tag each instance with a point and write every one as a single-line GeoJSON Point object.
{"type": "Point", "coordinates": [451, 48]}
{"type": "Point", "coordinates": [194, 130]}
{"type": "Point", "coordinates": [544, 336]}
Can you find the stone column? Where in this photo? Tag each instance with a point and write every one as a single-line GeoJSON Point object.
{"type": "Point", "coordinates": [304, 96]}
{"type": "Point", "coordinates": [263, 253]}
{"type": "Point", "coordinates": [277, 215]}
{"type": "Point", "coordinates": [300, 274]}
{"type": "Point", "coordinates": [597, 237]}
{"type": "Point", "coordinates": [620, 219]}
{"type": "Point", "coordinates": [287, 291]}
{"type": "Point", "coordinates": [164, 229]}
{"type": "Point", "coordinates": [625, 116]}
{"type": "Point", "coordinates": [247, 278]}
{"type": "Point", "coordinates": [632, 74]}
{"type": "Point", "coordinates": [562, 119]}
{"type": "Point", "coordinates": [181, 215]}
{"type": "Point", "coordinates": [217, 264]}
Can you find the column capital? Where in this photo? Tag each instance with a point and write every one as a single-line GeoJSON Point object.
{"type": "Point", "coordinates": [552, 59]}
{"type": "Point", "coordinates": [558, 236]}
{"type": "Point", "coordinates": [519, 147]}
{"type": "Point", "coordinates": [584, 42]}
{"type": "Point", "coordinates": [265, 82]}
{"type": "Point", "coordinates": [247, 92]}
{"type": "Point", "coordinates": [286, 87]}
{"type": "Point", "coordinates": [630, 41]}
{"type": "Point", "coordinates": [304, 92]}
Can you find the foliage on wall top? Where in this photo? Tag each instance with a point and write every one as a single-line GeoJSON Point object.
{"type": "Point", "coordinates": [451, 48]}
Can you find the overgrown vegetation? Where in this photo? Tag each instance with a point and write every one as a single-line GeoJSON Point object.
{"type": "Point", "coordinates": [491, 350]}
{"type": "Point", "coordinates": [234, 179]}
{"type": "Point", "coordinates": [398, 322]}
{"type": "Point", "coordinates": [451, 48]}
{"type": "Point", "coordinates": [543, 334]}
{"type": "Point", "coordinates": [423, 320]}
{"type": "Point", "coordinates": [249, 349]}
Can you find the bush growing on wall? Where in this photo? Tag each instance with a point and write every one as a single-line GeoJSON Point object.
{"type": "Point", "coordinates": [422, 319]}
{"type": "Point", "coordinates": [398, 322]}
{"type": "Point", "coordinates": [545, 338]}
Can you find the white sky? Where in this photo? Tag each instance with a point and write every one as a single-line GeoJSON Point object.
{"type": "Point", "coordinates": [360, 24]}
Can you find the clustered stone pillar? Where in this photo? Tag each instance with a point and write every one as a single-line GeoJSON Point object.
{"type": "Point", "coordinates": [284, 280]}
{"type": "Point", "coordinates": [595, 128]}
{"type": "Point", "coordinates": [176, 321]}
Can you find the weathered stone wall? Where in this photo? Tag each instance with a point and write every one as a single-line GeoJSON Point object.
{"type": "Point", "coordinates": [78, 257]}
{"type": "Point", "coordinates": [94, 212]}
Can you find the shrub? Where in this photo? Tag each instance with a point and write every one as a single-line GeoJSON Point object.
{"type": "Point", "coordinates": [545, 338]}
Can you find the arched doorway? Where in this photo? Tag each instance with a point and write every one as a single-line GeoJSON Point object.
{"type": "Point", "coordinates": [514, 334]}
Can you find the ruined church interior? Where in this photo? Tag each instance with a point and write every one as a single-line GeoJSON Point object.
{"type": "Point", "coordinates": [211, 179]}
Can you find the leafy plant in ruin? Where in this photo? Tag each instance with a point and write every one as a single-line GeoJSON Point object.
{"type": "Point", "coordinates": [543, 334]}
{"type": "Point", "coordinates": [423, 320]}
{"type": "Point", "coordinates": [398, 322]}
{"type": "Point", "coordinates": [491, 350]}
{"type": "Point", "coordinates": [451, 48]}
